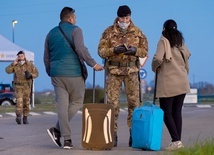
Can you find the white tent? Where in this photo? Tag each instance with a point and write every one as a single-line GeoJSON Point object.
{"type": "Point", "coordinates": [8, 53]}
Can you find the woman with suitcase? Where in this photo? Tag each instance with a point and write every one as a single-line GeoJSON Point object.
{"type": "Point", "coordinates": [170, 62]}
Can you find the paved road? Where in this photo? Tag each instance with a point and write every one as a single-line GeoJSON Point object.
{"type": "Point", "coordinates": [198, 124]}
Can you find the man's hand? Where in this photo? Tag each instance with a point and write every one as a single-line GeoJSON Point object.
{"type": "Point", "coordinates": [119, 49]}
{"type": "Point", "coordinates": [131, 51]}
{"type": "Point", "coordinates": [27, 75]}
{"type": "Point", "coordinates": [15, 61]}
{"type": "Point", "coordinates": [98, 67]}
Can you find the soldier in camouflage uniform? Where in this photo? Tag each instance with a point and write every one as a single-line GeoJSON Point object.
{"type": "Point", "coordinates": [121, 45]}
{"type": "Point", "coordinates": [24, 73]}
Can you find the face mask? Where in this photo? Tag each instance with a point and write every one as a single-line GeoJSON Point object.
{"type": "Point", "coordinates": [22, 62]}
{"type": "Point", "coordinates": [123, 25]}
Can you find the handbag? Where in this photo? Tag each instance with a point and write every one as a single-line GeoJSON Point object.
{"type": "Point", "coordinates": [83, 67]}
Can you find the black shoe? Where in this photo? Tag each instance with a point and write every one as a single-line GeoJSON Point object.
{"type": "Point", "coordinates": [68, 144]}
{"type": "Point", "coordinates": [115, 139]}
{"type": "Point", "coordinates": [25, 121]}
{"type": "Point", "coordinates": [130, 138]}
{"type": "Point", "coordinates": [18, 120]}
{"type": "Point", "coordinates": [55, 136]}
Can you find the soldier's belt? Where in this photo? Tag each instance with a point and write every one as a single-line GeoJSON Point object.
{"type": "Point", "coordinates": [123, 64]}
{"type": "Point", "coordinates": [21, 84]}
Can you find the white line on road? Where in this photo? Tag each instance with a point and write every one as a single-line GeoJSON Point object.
{"type": "Point", "coordinates": [123, 110]}
{"type": "Point", "coordinates": [34, 114]}
{"type": "Point", "coordinates": [11, 113]}
{"type": "Point", "coordinates": [50, 113]}
{"type": "Point", "coordinates": [79, 112]}
{"type": "Point", "coordinates": [204, 106]}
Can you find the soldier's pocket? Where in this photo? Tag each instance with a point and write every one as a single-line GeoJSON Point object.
{"type": "Point", "coordinates": [118, 71]}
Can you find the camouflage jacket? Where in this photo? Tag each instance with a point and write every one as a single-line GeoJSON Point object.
{"type": "Point", "coordinates": [19, 72]}
{"type": "Point", "coordinates": [113, 36]}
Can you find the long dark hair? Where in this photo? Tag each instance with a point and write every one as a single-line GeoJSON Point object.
{"type": "Point", "coordinates": [170, 32]}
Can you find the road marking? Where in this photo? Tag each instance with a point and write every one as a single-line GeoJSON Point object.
{"type": "Point", "coordinates": [11, 113]}
{"type": "Point", "coordinates": [34, 114]}
{"type": "Point", "coordinates": [50, 113]}
{"type": "Point", "coordinates": [204, 106]}
{"type": "Point", "coordinates": [79, 112]}
{"type": "Point", "coordinates": [122, 110]}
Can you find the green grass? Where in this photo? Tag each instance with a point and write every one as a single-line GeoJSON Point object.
{"type": "Point", "coordinates": [200, 148]}
{"type": "Point", "coordinates": [37, 108]}
{"type": "Point", "coordinates": [4, 109]}
{"type": "Point", "coordinates": [44, 107]}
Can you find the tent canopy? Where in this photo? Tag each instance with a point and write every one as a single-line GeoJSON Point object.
{"type": "Point", "coordinates": [8, 53]}
{"type": "Point", "coordinates": [9, 50]}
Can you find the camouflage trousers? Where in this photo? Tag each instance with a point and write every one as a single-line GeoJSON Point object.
{"type": "Point", "coordinates": [22, 94]}
{"type": "Point", "coordinates": [113, 89]}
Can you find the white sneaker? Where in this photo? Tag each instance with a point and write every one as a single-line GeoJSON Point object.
{"type": "Point", "coordinates": [174, 146]}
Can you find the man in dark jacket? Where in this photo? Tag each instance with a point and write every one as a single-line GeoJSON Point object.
{"type": "Point", "coordinates": [63, 66]}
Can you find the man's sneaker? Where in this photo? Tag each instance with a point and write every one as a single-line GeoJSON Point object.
{"type": "Point", "coordinates": [68, 144]}
{"type": "Point", "coordinates": [174, 146]}
{"type": "Point", "coordinates": [55, 136]}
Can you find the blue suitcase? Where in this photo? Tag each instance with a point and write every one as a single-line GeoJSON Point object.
{"type": "Point", "coordinates": [147, 127]}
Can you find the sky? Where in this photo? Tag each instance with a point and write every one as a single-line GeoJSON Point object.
{"type": "Point", "coordinates": [37, 17]}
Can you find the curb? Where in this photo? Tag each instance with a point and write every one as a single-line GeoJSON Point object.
{"type": "Point", "coordinates": [12, 114]}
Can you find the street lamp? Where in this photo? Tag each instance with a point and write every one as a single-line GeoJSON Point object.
{"type": "Point", "coordinates": [13, 25]}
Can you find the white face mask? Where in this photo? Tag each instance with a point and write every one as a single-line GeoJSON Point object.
{"type": "Point", "coordinates": [22, 62]}
{"type": "Point", "coordinates": [123, 25]}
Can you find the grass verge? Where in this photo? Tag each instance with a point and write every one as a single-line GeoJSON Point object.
{"type": "Point", "coordinates": [201, 148]}
{"type": "Point", "coordinates": [37, 108]}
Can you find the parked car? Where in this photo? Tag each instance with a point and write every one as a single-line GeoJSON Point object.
{"type": "Point", "coordinates": [7, 99]}
{"type": "Point", "coordinates": [5, 88]}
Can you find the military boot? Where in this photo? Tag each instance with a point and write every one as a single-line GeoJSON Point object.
{"type": "Point", "coordinates": [25, 121]}
{"type": "Point", "coordinates": [115, 139]}
{"type": "Point", "coordinates": [130, 138]}
{"type": "Point", "coordinates": [18, 119]}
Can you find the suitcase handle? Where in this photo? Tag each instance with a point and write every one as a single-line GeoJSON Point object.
{"type": "Point", "coordinates": [155, 89]}
{"type": "Point", "coordinates": [93, 97]}
{"type": "Point", "coordinates": [149, 104]}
